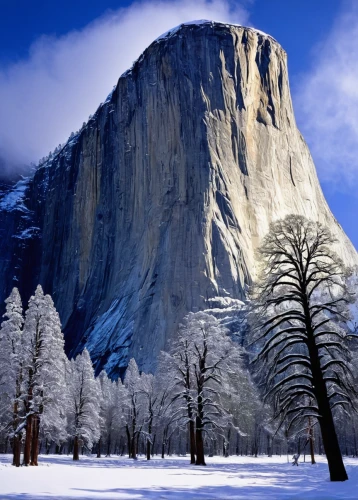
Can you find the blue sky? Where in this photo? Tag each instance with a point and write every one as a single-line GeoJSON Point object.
{"type": "Point", "coordinates": [60, 59]}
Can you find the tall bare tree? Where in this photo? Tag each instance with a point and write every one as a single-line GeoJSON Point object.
{"type": "Point", "coordinates": [299, 313]}
{"type": "Point", "coordinates": [180, 361]}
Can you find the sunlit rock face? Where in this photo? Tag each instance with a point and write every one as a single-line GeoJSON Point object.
{"type": "Point", "coordinates": [159, 202]}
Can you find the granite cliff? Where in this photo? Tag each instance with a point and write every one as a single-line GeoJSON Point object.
{"type": "Point", "coordinates": [159, 202]}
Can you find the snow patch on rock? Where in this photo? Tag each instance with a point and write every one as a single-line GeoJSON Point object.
{"type": "Point", "coordinates": [14, 199]}
{"type": "Point", "coordinates": [28, 233]}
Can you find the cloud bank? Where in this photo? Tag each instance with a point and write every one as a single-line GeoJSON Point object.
{"type": "Point", "coordinates": [51, 93]}
{"type": "Point", "coordinates": [326, 104]}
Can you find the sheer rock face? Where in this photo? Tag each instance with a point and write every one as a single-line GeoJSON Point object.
{"type": "Point", "coordinates": [159, 203]}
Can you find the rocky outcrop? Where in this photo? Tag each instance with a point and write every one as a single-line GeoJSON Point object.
{"type": "Point", "coordinates": [159, 202]}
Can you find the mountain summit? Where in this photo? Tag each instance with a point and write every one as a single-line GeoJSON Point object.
{"type": "Point", "coordinates": [159, 202]}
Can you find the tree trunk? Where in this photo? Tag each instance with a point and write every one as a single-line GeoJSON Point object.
{"type": "Point", "coordinates": [137, 443]}
{"type": "Point", "coordinates": [269, 446]}
{"type": "Point", "coordinates": [35, 440]}
{"type": "Point", "coordinates": [99, 448]}
{"type": "Point", "coordinates": [133, 453]}
{"type": "Point", "coordinates": [331, 446]}
{"type": "Point", "coordinates": [200, 458]}
{"type": "Point", "coordinates": [311, 438]}
{"type": "Point", "coordinates": [227, 444]}
{"type": "Point", "coordinates": [313, 461]}
{"type": "Point", "coordinates": [28, 439]}
{"type": "Point", "coordinates": [76, 454]}
{"type": "Point", "coordinates": [190, 414]}
{"type": "Point", "coordinates": [129, 442]}
{"type": "Point", "coordinates": [336, 467]}
{"type": "Point", "coordinates": [109, 445]}
{"type": "Point", "coordinates": [153, 444]}
{"type": "Point", "coordinates": [148, 439]}
{"type": "Point", "coordinates": [192, 441]}
{"type": "Point", "coordinates": [16, 447]}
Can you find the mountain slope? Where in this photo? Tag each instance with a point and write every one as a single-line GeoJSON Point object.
{"type": "Point", "coordinates": [159, 203]}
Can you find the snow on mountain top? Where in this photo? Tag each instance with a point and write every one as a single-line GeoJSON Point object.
{"type": "Point", "coordinates": [170, 33]}
{"type": "Point", "coordinates": [199, 22]}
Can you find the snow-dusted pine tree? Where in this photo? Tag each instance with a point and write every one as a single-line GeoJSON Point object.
{"type": "Point", "coordinates": [53, 427]}
{"type": "Point", "coordinates": [11, 370]}
{"type": "Point", "coordinates": [43, 360]}
{"type": "Point", "coordinates": [84, 399]}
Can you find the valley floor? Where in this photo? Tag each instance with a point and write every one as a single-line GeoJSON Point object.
{"type": "Point", "coordinates": [263, 478]}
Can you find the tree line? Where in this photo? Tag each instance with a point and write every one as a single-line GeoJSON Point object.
{"type": "Point", "coordinates": [199, 384]}
{"type": "Point", "coordinates": [283, 387]}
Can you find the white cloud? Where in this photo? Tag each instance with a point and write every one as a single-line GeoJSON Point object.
{"type": "Point", "coordinates": [46, 96]}
{"type": "Point", "coordinates": [326, 103]}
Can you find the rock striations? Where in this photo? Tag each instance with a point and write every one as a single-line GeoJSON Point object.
{"type": "Point", "coordinates": [159, 202]}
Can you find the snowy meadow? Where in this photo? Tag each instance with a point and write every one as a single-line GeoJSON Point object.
{"type": "Point", "coordinates": [223, 478]}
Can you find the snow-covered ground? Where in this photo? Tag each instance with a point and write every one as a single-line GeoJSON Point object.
{"type": "Point", "coordinates": [223, 478]}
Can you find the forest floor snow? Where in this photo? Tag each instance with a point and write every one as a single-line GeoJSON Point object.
{"type": "Point", "coordinates": [263, 478]}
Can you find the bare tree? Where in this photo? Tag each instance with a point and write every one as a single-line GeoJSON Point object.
{"type": "Point", "coordinates": [84, 398]}
{"type": "Point", "coordinates": [133, 407]}
{"type": "Point", "coordinates": [180, 362]}
{"type": "Point", "coordinates": [153, 397]}
{"type": "Point", "coordinates": [203, 359]}
{"type": "Point", "coordinates": [298, 316]}
{"type": "Point", "coordinates": [108, 412]}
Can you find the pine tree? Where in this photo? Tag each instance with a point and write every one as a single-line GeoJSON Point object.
{"type": "Point", "coordinates": [84, 399]}
{"type": "Point", "coordinates": [54, 419]}
{"type": "Point", "coordinates": [43, 361]}
{"type": "Point", "coordinates": [11, 368]}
